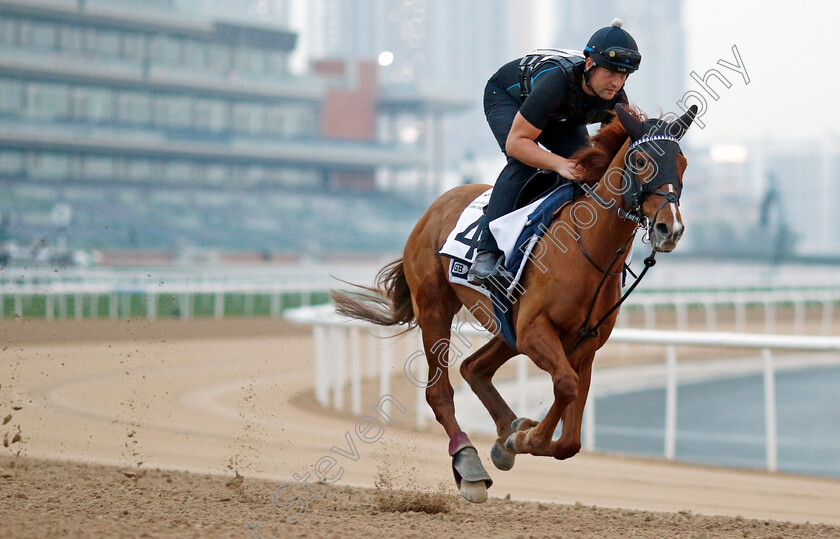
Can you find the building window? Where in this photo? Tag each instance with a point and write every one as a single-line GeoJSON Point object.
{"type": "Point", "coordinates": [49, 166]}
{"type": "Point", "coordinates": [173, 112]}
{"type": "Point", "coordinates": [219, 59]}
{"type": "Point", "coordinates": [47, 101]}
{"type": "Point", "coordinates": [295, 121]}
{"type": "Point", "coordinates": [70, 40]}
{"type": "Point", "coordinates": [167, 51]}
{"type": "Point", "coordinates": [195, 54]}
{"type": "Point", "coordinates": [11, 97]}
{"type": "Point", "coordinates": [90, 42]}
{"type": "Point", "coordinates": [276, 64]}
{"type": "Point", "coordinates": [258, 61]}
{"type": "Point", "coordinates": [274, 121]}
{"type": "Point", "coordinates": [45, 166]}
{"type": "Point", "coordinates": [8, 32]}
{"type": "Point", "coordinates": [134, 108]}
{"type": "Point", "coordinates": [133, 46]}
{"type": "Point", "coordinates": [108, 44]}
{"type": "Point", "coordinates": [98, 167]}
{"type": "Point", "coordinates": [11, 163]}
{"type": "Point", "coordinates": [248, 118]}
{"type": "Point", "coordinates": [93, 104]}
{"type": "Point", "coordinates": [42, 36]}
{"type": "Point", "coordinates": [139, 170]}
{"type": "Point", "coordinates": [198, 172]}
{"type": "Point", "coordinates": [249, 61]}
{"type": "Point", "coordinates": [24, 33]}
{"type": "Point", "coordinates": [177, 172]}
{"type": "Point", "coordinates": [294, 178]}
{"type": "Point", "coordinates": [218, 175]}
{"type": "Point", "coordinates": [210, 115]}
{"type": "Point", "coordinates": [249, 176]}
{"type": "Point", "coordinates": [77, 166]}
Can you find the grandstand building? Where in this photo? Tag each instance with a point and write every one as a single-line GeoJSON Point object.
{"type": "Point", "coordinates": [159, 129]}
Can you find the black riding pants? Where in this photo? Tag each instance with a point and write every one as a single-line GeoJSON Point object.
{"type": "Point", "coordinates": [561, 138]}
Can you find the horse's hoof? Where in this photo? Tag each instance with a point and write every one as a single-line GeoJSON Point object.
{"type": "Point", "coordinates": [510, 443]}
{"type": "Point", "coordinates": [470, 476]}
{"type": "Point", "coordinates": [522, 423]}
{"type": "Point", "coordinates": [501, 457]}
{"type": "Point", "coordinates": [474, 491]}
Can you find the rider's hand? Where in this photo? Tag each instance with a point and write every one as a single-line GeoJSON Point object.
{"type": "Point", "coordinates": [570, 170]}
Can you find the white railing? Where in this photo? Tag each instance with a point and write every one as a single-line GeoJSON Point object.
{"type": "Point", "coordinates": [337, 338]}
{"type": "Point", "coordinates": [186, 284]}
{"type": "Point", "coordinates": [87, 286]}
{"type": "Point", "coordinates": [712, 302]}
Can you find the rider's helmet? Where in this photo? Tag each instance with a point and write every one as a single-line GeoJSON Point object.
{"type": "Point", "coordinates": [613, 48]}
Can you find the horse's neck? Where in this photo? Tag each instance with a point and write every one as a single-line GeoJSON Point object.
{"type": "Point", "coordinates": [610, 231]}
{"type": "Point", "coordinates": [610, 182]}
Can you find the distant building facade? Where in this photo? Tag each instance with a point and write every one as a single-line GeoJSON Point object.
{"type": "Point", "coordinates": [159, 128]}
{"type": "Point", "coordinates": [456, 46]}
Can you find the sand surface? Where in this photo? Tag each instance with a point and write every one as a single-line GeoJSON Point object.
{"type": "Point", "coordinates": [195, 428]}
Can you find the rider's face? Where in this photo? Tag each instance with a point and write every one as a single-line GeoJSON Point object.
{"type": "Point", "coordinates": [606, 83]}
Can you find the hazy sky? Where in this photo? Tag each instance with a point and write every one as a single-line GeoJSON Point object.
{"type": "Point", "coordinates": [791, 51]}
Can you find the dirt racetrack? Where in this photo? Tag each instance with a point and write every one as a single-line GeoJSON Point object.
{"type": "Point", "coordinates": [187, 429]}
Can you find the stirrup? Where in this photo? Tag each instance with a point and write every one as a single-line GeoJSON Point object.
{"type": "Point", "coordinates": [497, 277]}
{"type": "Point", "coordinates": [483, 261]}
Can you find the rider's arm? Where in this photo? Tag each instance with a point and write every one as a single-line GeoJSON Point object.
{"type": "Point", "coordinates": [521, 145]}
{"type": "Point", "coordinates": [548, 92]}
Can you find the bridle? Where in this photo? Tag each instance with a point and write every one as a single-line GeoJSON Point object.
{"type": "Point", "coordinates": [638, 192]}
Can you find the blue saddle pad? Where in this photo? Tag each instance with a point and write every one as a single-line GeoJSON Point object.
{"type": "Point", "coordinates": [538, 222]}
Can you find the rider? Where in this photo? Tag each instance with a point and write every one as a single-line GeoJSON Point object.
{"type": "Point", "coordinates": [548, 97]}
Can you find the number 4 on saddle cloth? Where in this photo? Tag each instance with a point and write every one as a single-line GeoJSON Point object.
{"type": "Point", "coordinates": [516, 233]}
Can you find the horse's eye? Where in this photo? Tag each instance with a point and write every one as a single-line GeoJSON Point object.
{"type": "Point", "coordinates": [639, 162]}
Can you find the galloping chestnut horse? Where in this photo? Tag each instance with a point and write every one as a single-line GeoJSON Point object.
{"type": "Point", "coordinates": [634, 171]}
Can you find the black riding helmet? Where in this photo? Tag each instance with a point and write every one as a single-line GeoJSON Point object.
{"type": "Point", "coordinates": [613, 48]}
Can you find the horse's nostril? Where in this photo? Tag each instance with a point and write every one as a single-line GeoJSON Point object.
{"type": "Point", "coordinates": [662, 229]}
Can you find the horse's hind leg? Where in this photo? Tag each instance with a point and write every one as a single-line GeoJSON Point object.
{"type": "Point", "coordinates": [478, 371]}
{"type": "Point", "coordinates": [436, 307]}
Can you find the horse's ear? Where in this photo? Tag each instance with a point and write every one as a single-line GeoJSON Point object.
{"type": "Point", "coordinates": [684, 121]}
{"type": "Point", "coordinates": [631, 124]}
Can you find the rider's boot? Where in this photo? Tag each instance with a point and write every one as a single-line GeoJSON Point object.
{"type": "Point", "coordinates": [489, 261]}
{"type": "Point", "coordinates": [489, 267]}
{"type": "Point", "coordinates": [485, 265]}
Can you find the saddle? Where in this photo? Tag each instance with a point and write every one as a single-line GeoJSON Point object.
{"type": "Point", "coordinates": [516, 234]}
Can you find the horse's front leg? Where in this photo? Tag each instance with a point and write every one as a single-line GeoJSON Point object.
{"type": "Point", "coordinates": [541, 343]}
{"type": "Point", "coordinates": [478, 371]}
{"type": "Point", "coordinates": [568, 445]}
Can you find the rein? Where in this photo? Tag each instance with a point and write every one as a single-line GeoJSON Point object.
{"type": "Point", "coordinates": [585, 333]}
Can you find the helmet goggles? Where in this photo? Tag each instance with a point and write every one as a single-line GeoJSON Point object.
{"type": "Point", "coordinates": [616, 58]}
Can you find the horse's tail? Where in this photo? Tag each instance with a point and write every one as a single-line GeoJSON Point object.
{"type": "Point", "coordinates": [386, 304]}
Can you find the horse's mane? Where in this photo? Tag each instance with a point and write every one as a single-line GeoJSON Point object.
{"type": "Point", "coordinates": [596, 158]}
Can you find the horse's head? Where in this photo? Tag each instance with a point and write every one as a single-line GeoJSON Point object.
{"type": "Point", "coordinates": [652, 178]}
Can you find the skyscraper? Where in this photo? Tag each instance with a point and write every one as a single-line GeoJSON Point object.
{"type": "Point", "coordinates": [274, 11]}
{"type": "Point", "coordinates": [437, 46]}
